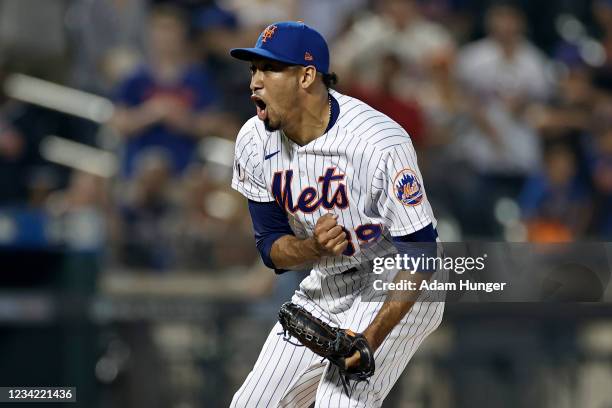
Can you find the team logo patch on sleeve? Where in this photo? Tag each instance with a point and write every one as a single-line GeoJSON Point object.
{"type": "Point", "coordinates": [408, 189]}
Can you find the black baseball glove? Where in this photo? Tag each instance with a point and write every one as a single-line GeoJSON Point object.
{"type": "Point", "coordinates": [329, 342]}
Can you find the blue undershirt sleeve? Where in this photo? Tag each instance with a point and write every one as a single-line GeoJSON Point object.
{"type": "Point", "coordinates": [421, 243]}
{"type": "Point", "coordinates": [269, 223]}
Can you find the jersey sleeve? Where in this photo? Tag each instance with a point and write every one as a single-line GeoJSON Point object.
{"type": "Point", "coordinates": [398, 191]}
{"type": "Point", "coordinates": [248, 178]}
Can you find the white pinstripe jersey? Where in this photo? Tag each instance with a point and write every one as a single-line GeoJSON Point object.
{"type": "Point", "coordinates": [364, 169]}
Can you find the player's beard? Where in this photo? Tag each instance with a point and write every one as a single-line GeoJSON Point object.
{"type": "Point", "coordinates": [270, 125]}
{"type": "Point", "coordinates": [291, 101]}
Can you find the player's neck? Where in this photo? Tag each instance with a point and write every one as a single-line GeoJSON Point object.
{"type": "Point", "coordinates": [312, 118]}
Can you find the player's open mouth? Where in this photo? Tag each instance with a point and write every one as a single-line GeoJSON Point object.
{"type": "Point", "coordinates": [262, 113]}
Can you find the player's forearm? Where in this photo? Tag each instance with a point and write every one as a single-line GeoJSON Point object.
{"type": "Point", "coordinates": [397, 304]}
{"type": "Point", "coordinates": [289, 252]}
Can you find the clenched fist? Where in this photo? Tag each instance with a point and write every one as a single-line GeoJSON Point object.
{"type": "Point", "coordinates": [329, 237]}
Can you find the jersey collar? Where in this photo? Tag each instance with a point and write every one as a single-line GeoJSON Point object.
{"type": "Point", "coordinates": [335, 112]}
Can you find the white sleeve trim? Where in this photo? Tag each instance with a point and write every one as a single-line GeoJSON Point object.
{"type": "Point", "coordinates": [260, 198]}
{"type": "Point", "coordinates": [400, 232]}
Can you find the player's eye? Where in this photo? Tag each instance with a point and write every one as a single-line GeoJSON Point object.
{"type": "Point", "coordinates": [252, 69]}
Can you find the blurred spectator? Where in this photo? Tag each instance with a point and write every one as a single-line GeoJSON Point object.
{"type": "Point", "coordinates": [602, 11]}
{"type": "Point", "coordinates": [12, 146]}
{"type": "Point", "coordinates": [197, 231]}
{"type": "Point", "coordinates": [217, 31]}
{"type": "Point", "coordinates": [501, 144]}
{"type": "Point", "coordinates": [384, 97]}
{"type": "Point", "coordinates": [210, 213]}
{"type": "Point", "coordinates": [505, 65]}
{"type": "Point", "coordinates": [503, 151]}
{"type": "Point", "coordinates": [11, 141]}
{"type": "Point", "coordinates": [458, 17]}
{"type": "Point", "coordinates": [109, 41]}
{"type": "Point", "coordinates": [147, 213]}
{"type": "Point", "coordinates": [394, 27]}
{"type": "Point", "coordinates": [569, 112]}
{"type": "Point", "coordinates": [255, 15]}
{"type": "Point", "coordinates": [328, 17]}
{"type": "Point", "coordinates": [601, 171]}
{"type": "Point", "coordinates": [20, 173]}
{"type": "Point", "coordinates": [502, 74]}
{"type": "Point", "coordinates": [446, 104]}
{"type": "Point", "coordinates": [226, 24]}
{"type": "Point", "coordinates": [83, 210]}
{"type": "Point", "coordinates": [167, 102]}
{"type": "Point", "coordinates": [555, 201]}
{"type": "Point", "coordinates": [467, 167]}
{"type": "Point", "coordinates": [41, 181]}
{"type": "Point", "coordinates": [450, 113]}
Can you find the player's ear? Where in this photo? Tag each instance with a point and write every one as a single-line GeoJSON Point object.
{"type": "Point", "coordinates": [309, 75]}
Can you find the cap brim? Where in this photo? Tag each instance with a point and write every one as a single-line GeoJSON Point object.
{"type": "Point", "coordinates": [248, 54]}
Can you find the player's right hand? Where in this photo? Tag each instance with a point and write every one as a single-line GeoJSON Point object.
{"type": "Point", "coordinates": [330, 238]}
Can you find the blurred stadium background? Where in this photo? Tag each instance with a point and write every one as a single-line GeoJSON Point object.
{"type": "Point", "coordinates": [128, 268]}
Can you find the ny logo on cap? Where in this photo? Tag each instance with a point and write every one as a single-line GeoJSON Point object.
{"type": "Point", "coordinates": [268, 33]}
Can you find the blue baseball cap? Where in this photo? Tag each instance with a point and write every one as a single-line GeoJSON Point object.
{"type": "Point", "coordinates": [290, 42]}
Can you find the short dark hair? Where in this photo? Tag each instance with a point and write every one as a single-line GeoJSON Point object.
{"type": "Point", "coordinates": [330, 80]}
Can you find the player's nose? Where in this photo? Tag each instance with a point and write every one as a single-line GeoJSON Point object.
{"type": "Point", "coordinates": [256, 80]}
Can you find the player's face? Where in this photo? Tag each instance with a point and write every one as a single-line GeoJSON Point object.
{"type": "Point", "coordinates": [274, 88]}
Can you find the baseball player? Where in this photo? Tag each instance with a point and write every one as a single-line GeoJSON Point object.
{"type": "Point", "coordinates": [333, 184]}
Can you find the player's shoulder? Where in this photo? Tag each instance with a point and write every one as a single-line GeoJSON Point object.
{"type": "Point", "coordinates": [370, 126]}
{"type": "Point", "coordinates": [253, 132]}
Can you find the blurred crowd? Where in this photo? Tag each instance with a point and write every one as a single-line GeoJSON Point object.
{"type": "Point", "coordinates": [509, 107]}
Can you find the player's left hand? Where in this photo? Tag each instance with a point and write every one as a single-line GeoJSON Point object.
{"type": "Point", "coordinates": [355, 358]}
{"type": "Point", "coordinates": [353, 361]}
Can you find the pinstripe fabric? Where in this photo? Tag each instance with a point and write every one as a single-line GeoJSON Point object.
{"type": "Point", "coordinates": [367, 147]}
{"type": "Point", "coordinates": [289, 376]}
{"type": "Point", "coordinates": [371, 152]}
